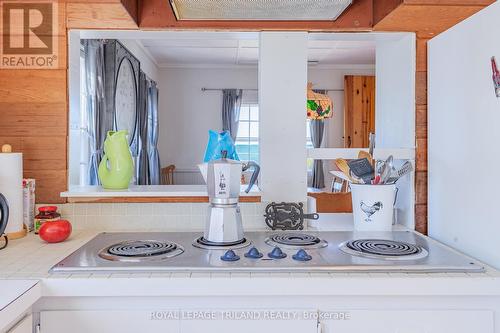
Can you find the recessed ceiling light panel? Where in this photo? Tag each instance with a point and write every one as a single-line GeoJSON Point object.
{"type": "Point", "coordinates": [254, 10]}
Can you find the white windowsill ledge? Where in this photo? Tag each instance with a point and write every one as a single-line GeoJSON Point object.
{"type": "Point", "coordinates": [160, 193]}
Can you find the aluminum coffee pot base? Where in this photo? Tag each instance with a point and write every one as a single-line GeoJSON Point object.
{"type": "Point", "coordinates": [223, 224]}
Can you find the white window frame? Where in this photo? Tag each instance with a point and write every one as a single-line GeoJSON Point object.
{"type": "Point", "coordinates": [249, 140]}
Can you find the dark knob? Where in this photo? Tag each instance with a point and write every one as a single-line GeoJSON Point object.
{"type": "Point", "coordinates": [253, 253]}
{"type": "Point", "coordinates": [276, 253]}
{"type": "Point", "coordinates": [230, 256]}
{"type": "Point", "coordinates": [301, 255]}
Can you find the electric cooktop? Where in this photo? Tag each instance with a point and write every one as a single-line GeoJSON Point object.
{"type": "Point", "coordinates": [278, 251]}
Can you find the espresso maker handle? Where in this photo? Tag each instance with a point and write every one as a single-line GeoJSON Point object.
{"type": "Point", "coordinates": [4, 210]}
{"type": "Point", "coordinates": [255, 174]}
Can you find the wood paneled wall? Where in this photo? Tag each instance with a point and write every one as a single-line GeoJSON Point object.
{"type": "Point", "coordinates": [427, 18]}
{"type": "Point", "coordinates": [33, 119]}
{"type": "Point", "coordinates": [34, 102]}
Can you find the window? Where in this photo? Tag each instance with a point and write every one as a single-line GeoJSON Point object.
{"type": "Point", "coordinates": [247, 141]}
{"type": "Point", "coordinates": [81, 128]}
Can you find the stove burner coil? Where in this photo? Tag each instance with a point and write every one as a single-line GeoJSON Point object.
{"type": "Point", "coordinates": [203, 243]}
{"type": "Point", "coordinates": [141, 250]}
{"type": "Point", "coordinates": [295, 240]}
{"type": "Point", "coordinates": [383, 249]}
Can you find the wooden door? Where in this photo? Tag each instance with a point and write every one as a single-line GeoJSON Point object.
{"type": "Point", "coordinates": [359, 110]}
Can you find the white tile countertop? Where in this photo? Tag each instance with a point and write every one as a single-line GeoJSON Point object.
{"type": "Point", "coordinates": [31, 258]}
{"type": "Point", "coordinates": [148, 191]}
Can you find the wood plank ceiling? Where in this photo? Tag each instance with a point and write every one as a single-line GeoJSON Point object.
{"type": "Point", "coordinates": [34, 103]}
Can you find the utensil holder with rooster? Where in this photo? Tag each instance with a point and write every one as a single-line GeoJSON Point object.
{"type": "Point", "coordinates": [373, 206]}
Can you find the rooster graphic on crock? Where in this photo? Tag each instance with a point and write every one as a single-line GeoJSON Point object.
{"type": "Point", "coordinates": [370, 210]}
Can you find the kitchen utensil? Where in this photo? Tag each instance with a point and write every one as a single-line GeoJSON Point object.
{"type": "Point", "coordinates": [256, 170]}
{"type": "Point", "coordinates": [373, 206]}
{"type": "Point", "coordinates": [406, 168]}
{"type": "Point", "coordinates": [386, 169]}
{"type": "Point", "coordinates": [367, 155]}
{"type": "Point", "coordinates": [361, 168]}
{"type": "Point", "coordinates": [244, 166]}
{"type": "Point", "coordinates": [371, 144]}
{"type": "Point", "coordinates": [344, 167]}
{"type": "Point", "coordinates": [4, 218]}
{"type": "Point", "coordinates": [287, 216]}
{"type": "Point", "coordinates": [223, 177]}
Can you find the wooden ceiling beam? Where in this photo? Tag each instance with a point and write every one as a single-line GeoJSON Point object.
{"type": "Point", "coordinates": [383, 8]}
{"type": "Point", "coordinates": [429, 18]}
{"type": "Point", "coordinates": [101, 14]}
{"type": "Point", "coordinates": [132, 7]}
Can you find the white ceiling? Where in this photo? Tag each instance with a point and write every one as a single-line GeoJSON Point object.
{"type": "Point", "coordinates": [244, 50]}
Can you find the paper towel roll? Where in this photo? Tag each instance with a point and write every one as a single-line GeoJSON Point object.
{"type": "Point", "coordinates": [11, 186]}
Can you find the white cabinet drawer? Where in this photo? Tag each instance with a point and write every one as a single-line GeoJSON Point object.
{"type": "Point", "coordinates": [175, 321]}
{"type": "Point", "coordinates": [104, 321]}
{"type": "Point", "coordinates": [411, 322]}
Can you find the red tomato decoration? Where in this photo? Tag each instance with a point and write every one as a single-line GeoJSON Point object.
{"type": "Point", "coordinates": [55, 231]}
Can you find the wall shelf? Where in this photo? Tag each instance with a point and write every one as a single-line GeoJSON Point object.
{"type": "Point", "coordinates": [150, 193]}
{"type": "Point", "coordinates": [352, 153]}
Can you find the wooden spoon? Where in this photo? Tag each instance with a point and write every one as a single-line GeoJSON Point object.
{"type": "Point", "coordinates": [344, 167]}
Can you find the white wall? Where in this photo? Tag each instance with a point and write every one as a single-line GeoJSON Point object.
{"type": "Point", "coordinates": [282, 97]}
{"type": "Point", "coordinates": [395, 91]}
{"type": "Point", "coordinates": [463, 137]}
{"type": "Point", "coordinates": [181, 98]}
{"type": "Point", "coordinates": [186, 113]}
{"type": "Point", "coordinates": [148, 65]}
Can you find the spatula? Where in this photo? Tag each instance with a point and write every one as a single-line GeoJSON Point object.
{"type": "Point", "coordinates": [361, 168]}
{"type": "Point", "coordinates": [344, 167]}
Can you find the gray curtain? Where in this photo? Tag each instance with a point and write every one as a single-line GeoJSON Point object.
{"type": "Point", "coordinates": [154, 157]}
{"type": "Point", "coordinates": [231, 104]}
{"type": "Point", "coordinates": [317, 130]}
{"type": "Point", "coordinates": [142, 167]}
{"type": "Point", "coordinates": [98, 120]}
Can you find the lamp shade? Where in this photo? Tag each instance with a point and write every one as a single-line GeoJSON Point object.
{"type": "Point", "coordinates": [319, 106]}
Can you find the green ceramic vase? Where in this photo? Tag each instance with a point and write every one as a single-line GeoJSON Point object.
{"type": "Point", "coordinates": [117, 167]}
